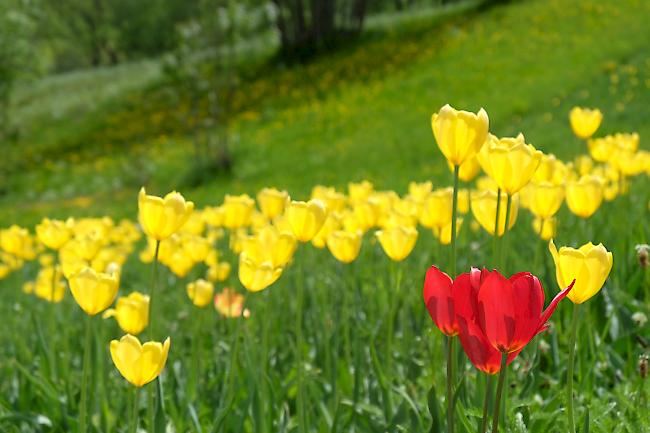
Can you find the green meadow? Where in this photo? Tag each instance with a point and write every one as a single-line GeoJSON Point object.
{"type": "Point", "coordinates": [372, 359]}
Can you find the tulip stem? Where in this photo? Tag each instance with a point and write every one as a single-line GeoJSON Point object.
{"type": "Point", "coordinates": [83, 404]}
{"type": "Point", "coordinates": [450, 384]}
{"type": "Point", "coordinates": [454, 210]}
{"type": "Point", "coordinates": [486, 403]}
{"type": "Point", "coordinates": [497, 401]}
{"type": "Point", "coordinates": [504, 244]}
{"type": "Point", "coordinates": [299, 343]}
{"type": "Point", "coordinates": [572, 351]}
{"type": "Point", "coordinates": [496, 229]}
{"type": "Point", "coordinates": [152, 290]}
{"type": "Point", "coordinates": [134, 410]}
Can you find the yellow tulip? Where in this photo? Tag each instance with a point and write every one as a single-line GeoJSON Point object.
{"type": "Point", "coordinates": [200, 292]}
{"type": "Point", "coordinates": [162, 217]}
{"type": "Point", "coordinates": [419, 191]}
{"type": "Point", "coordinates": [484, 209]}
{"type": "Point", "coordinates": [344, 245]}
{"type": "Point", "coordinates": [585, 121]}
{"type": "Point", "coordinates": [548, 169]}
{"type": "Point", "coordinates": [459, 134]}
{"type": "Point", "coordinates": [306, 218]}
{"type": "Point", "coordinates": [48, 285]}
{"type": "Point", "coordinates": [366, 214]}
{"type": "Point", "coordinates": [219, 272]}
{"type": "Point", "coordinates": [139, 363]}
{"type": "Point", "coordinates": [513, 162]}
{"type": "Point", "coordinates": [196, 247]}
{"type": "Point", "coordinates": [583, 197]}
{"type": "Point", "coordinates": [463, 201]}
{"type": "Point", "coordinates": [544, 198]}
{"type": "Point", "coordinates": [468, 169]}
{"type": "Point", "coordinates": [436, 208]}
{"type": "Point", "coordinates": [54, 233]}
{"type": "Point", "coordinates": [331, 224]}
{"type": "Point", "coordinates": [397, 241]}
{"type": "Point", "coordinates": [17, 241]}
{"type": "Point", "coordinates": [444, 233]}
{"type": "Point", "coordinates": [360, 191]}
{"type": "Point", "coordinates": [589, 266]}
{"type": "Point", "coordinates": [131, 312]}
{"type": "Point", "coordinates": [583, 164]}
{"type": "Point", "coordinates": [601, 149]}
{"type": "Point", "coordinates": [548, 230]}
{"type": "Point", "coordinates": [195, 224]}
{"type": "Point", "coordinates": [272, 202]}
{"type": "Point", "coordinates": [230, 303]}
{"type": "Point", "coordinates": [237, 211]}
{"type": "Point", "coordinates": [94, 292]}
{"type": "Point", "coordinates": [257, 276]}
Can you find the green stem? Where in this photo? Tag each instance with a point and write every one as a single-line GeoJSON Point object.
{"type": "Point", "coordinates": [497, 401]}
{"type": "Point", "coordinates": [504, 245]}
{"type": "Point", "coordinates": [572, 349]}
{"type": "Point", "coordinates": [152, 290]}
{"type": "Point", "coordinates": [396, 277]}
{"type": "Point", "coordinates": [537, 250]}
{"type": "Point", "coordinates": [486, 403]}
{"type": "Point", "coordinates": [454, 210]}
{"type": "Point", "coordinates": [134, 410]}
{"type": "Point", "coordinates": [302, 422]}
{"type": "Point", "coordinates": [450, 384]}
{"type": "Point", "coordinates": [83, 405]}
{"type": "Point", "coordinates": [496, 229]}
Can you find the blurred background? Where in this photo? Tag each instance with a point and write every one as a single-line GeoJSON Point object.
{"type": "Point", "coordinates": [100, 97]}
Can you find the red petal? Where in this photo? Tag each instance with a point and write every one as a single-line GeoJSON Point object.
{"type": "Point", "coordinates": [439, 301]}
{"type": "Point", "coordinates": [497, 311]}
{"type": "Point", "coordinates": [552, 306]}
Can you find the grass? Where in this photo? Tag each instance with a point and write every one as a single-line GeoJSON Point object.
{"type": "Point", "coordinates": [362, 113]}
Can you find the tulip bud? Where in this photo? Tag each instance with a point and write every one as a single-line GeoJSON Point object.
{"type": "Point", "coordinates": [484, 209]}
{"type": "Point", "coordinates": [94, 292]}
{"type": "Point", "coordinates": [459, 134]}
{"type": "Point", "coordinates": [585, 121]}
{"type": "Point", "coordinates": [306, 218]}
{"type": "Point", "coordinates": [397, 241]}
{"type": "Point", "coordinates": [131, 313]}
{"type": "Point", "coordinates": [162, 217]}
{"type": "Point", "coordinates": [272, 202]}
{"type": "Point", "coordinates": [512, 162]}
{"type": "Point", "coordinates": [344, 246]}
{"type": "Point", "coordinates": [589, 266]}
{"type": "Point", "coordinates": [257, 276]}
{"type": "Point", "coordinates": [229, 303]}
{"type": "Point", "coordinates": [200, 292]}
{"type": "Point", "coordinates": [139, 363]}
{"type": "Point", "coordinates": [544, 198]}
{"type": "Point", "coordinates": [584, 196]}
{"type": "Point", "coordinates": [237, 211]}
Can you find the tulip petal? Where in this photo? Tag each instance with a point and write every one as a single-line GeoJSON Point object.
{"type": "Point", "coordinates": [552, 306]}
{"type": "Point", "coordinates": [439, 301]}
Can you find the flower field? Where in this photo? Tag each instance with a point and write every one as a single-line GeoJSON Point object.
{"type": "Point", "coordinates": [453, 269]}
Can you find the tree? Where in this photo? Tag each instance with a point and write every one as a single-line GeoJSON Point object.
{"type": "Point", "coordinates": [309, 26]}
{"type": "Point", "coordinates": [204, 74]}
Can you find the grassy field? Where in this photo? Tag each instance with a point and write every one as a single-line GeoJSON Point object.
{"type": "Point", "coordinates": [91, 139]}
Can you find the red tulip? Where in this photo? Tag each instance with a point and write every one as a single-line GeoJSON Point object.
{"type": "Point", "coordinates": [497, 315]}
{"type": "Point", "coordinates": [439, 301]}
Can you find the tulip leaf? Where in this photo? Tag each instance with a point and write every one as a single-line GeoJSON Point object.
{"type": "Point", "coordinates": [434, 410]}
{"type": "Point", "coordinates": [160, 424]}
{"type": "Point", "coordinates": [585, 424]}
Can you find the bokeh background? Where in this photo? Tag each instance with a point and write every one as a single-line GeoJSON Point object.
{"type": "Point", "coordinates": [98, 98]}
